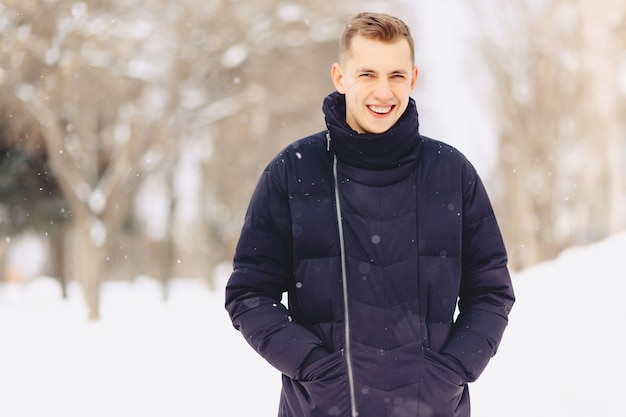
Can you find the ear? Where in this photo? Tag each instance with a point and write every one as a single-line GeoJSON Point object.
{"type": "Point", "coordinates": [414, 77]}
{"type": "Point", "coordinates": [336, 73]}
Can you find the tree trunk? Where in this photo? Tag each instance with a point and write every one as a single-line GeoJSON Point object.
{"type": "Point", "coordinates": [88, 260]}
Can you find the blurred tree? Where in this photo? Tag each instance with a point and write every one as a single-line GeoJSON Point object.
{"type": "Point", "coordinates": [84, 76]}
{"type": "Point", "coordinates": [278, 59]}
{"type": "Point", "coordinates": [29, 191]}
{"type": "Point", "coordinates": [126, 96]}
{"type": "Point", "coordinates": [30, 197]}
{"type": "Point", "coordinates": [257, 74]}
{"type": "Point", "coordinates": [555, 67]}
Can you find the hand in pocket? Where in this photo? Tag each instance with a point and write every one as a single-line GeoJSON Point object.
{"type": "Point", "coordinates": [441, 387]}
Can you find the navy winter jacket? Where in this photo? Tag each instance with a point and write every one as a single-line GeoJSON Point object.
{"type": "Point", "coordinates": [396, 303]}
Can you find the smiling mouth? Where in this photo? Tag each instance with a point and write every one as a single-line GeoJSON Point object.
{"type": "Point", "coordinates": [380, 109]}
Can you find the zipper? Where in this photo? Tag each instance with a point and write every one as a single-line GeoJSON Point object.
{"type": "Point", "coordinates": [344, 281]}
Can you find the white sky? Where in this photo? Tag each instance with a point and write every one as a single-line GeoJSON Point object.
{"type": "Point", "coordinates": [452, 91]}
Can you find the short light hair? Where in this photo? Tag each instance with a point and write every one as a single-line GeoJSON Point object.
{"type": "Point", "coordinates": [375, 26]}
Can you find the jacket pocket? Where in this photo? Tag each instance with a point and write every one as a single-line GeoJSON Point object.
{"type": "Point", "coordinates": [322, 392]}
{"type": "Point", "coordinates": [441, 387]}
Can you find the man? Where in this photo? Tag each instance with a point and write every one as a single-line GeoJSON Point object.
{"type": "Point", "coordinates": [375, 232]}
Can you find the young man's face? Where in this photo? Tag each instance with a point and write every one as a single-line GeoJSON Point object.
{"type": "Point", "coordinates": [377, 79]}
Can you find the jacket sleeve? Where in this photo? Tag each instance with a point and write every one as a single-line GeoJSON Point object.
{"type": "Point", "coordinates": [262, 273]}
{"type": "Point", "coordinates": [486, 293]}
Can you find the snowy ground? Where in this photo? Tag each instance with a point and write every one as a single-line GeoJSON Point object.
{"type": "Point", "coordinates": [563, 354]}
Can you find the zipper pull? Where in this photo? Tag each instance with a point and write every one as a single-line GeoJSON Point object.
{"type": "Point", "coordinates": [328, 141]}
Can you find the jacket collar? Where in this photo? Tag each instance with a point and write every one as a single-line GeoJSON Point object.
{"type": "Point", "coordinates": [391, 149]}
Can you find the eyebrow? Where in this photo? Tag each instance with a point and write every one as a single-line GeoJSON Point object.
{"type": "Point", "coordinates": [365, 69]}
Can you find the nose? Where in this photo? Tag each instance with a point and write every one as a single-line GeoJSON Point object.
{"type": "Point", "coordinates": [382, 90]}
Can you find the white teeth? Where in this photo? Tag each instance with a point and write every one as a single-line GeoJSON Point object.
{"type": "Point", "coordinates": [380, 110]}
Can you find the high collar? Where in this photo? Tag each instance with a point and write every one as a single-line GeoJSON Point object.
{"type": "Point", "coordinates": [394, 148]}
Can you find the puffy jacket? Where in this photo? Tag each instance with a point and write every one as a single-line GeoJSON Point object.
{"type": "Point", "coordinates": [395, 269]}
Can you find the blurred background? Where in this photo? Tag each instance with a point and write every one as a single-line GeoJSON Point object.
{"type": "Point", "coordinates": [132, 133]}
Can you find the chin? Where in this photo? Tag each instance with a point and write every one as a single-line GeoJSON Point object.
{"type": "Point", "coordinates": [377, 130]}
